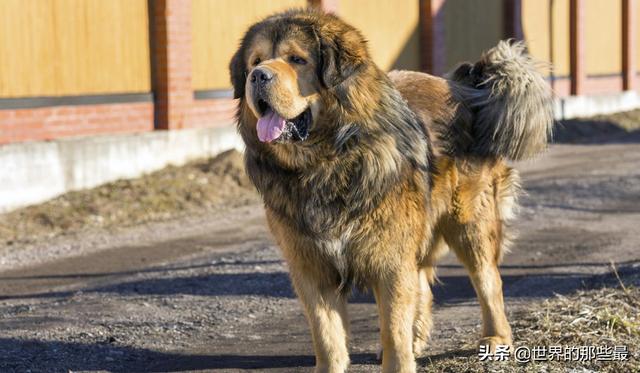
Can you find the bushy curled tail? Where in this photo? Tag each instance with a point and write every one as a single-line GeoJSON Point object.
{"type": "Point", "coordinates": [512, 104]}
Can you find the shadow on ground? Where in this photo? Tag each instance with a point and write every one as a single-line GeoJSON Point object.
{"type": "Point", "coordinates": [127, 359]}
{"type": "Point", "coordinates": [450, 289]}
{"type": "Point", "coordinates": [593, 131]}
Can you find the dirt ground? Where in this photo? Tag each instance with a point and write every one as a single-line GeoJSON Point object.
{"type": "Point", "coordinates": [207, 290]}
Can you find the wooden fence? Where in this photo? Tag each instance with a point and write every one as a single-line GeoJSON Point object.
{"type": "Point", "coordinates": [172, 55]}
{"type": "Point", "coordinates": [73, 47]}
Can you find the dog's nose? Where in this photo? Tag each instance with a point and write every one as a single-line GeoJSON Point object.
{"type": "Point", "coordinates": [261, 76]}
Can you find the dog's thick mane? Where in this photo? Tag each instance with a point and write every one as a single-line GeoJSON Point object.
{"type": "Point", "coordinates": [343, 176]}
{"type": "Point", "coordinates": [364, 143]}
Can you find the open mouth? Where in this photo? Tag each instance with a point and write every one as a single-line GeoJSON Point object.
{"type": "Point", "coordinates": [272, 127]}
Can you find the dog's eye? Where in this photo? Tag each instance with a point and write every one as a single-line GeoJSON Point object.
{"type": "Point", "coordinates": [297, 60]}
{"type": "Point", "coordinates": [257, 61]}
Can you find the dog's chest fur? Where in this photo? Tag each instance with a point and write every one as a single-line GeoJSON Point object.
{"type": "Point", "coordinates": [334, 251]}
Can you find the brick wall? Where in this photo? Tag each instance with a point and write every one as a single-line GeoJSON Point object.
{"type": "Point", "coordinates": [212, 112]}
{"type": "Point", "coordinates": [61, 121]}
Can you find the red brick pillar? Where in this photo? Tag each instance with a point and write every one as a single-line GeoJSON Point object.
{"type": "Point", "coordinates": [577, 45]}
{"type": "Point", "coordinates": [512, 18]}
{"type": "Point", "coordinates": [629, 29]}
{"type": "Point", "coordinates": [432, 42]}
{"type": "Point", "coordinates": [170, 36]}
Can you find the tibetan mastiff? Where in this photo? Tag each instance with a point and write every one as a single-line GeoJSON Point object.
{"type": "Point", "coordinates": [368, 177]}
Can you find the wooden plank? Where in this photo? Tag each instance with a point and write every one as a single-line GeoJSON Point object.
{"type": "Point", "coordinates": [391, 27]}
{"type": "Point", "coordinates": [603, 37]}
{"type": "Point", "coordinates": [217, 26]}
{"type": "Point", "coordinates": [73, 47]}
{"type": "Point", "coordinates": [470, 28]}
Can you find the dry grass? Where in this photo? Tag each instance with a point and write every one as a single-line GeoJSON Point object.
{"type": "Point", "coordinates": [608, 316]}
{"type": "Point", "coordinates": [628, 120]}
{"type": "Point", "coordinates": [196, 187]}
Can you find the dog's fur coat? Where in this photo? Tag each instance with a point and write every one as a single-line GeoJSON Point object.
{"type": "Point", "coordinates": [395, 169]}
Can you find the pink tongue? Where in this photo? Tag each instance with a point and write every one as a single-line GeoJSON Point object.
{"type": "Point", "coordinates": [270, 126]}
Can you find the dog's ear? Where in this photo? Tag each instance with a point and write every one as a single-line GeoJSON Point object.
{"type": "Point", "coordinates": [340, 56]}
{"type": "Point", "coordinates": [238, 72]}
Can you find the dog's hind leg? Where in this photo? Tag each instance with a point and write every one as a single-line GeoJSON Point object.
{"type": "Point", "coordinates": [477, 245]}
{"type": "Point", "coordinates": [482, 201]}
{"type": "Point", "coordinates": [422, 323]}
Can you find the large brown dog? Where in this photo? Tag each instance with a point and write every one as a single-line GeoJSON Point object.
{"type": "Point", "coordinates": [367, 178]}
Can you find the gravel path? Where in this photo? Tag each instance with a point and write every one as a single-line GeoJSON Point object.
{"type": "Point", "coordinates": [211, 293]}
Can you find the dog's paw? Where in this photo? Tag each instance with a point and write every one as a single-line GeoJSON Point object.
{"type": "Point", "coordinates": [419, 345]}
{"type": "Point", "coordinates": [494, 341]}
{"type": "Point", "coordinates": [334, 368]}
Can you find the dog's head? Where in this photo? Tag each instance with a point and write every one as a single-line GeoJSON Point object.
{"type": "Point", "coordinates": [291, 70]}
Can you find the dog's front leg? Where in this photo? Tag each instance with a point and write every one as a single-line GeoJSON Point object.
{"type": "Point", "coordinates": [325, 307]}
{"type": "Point", "coordinates": [396, 298]}
{"type": "Point", "coordinates": [326, 311]}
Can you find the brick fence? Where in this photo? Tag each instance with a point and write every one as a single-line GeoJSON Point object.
{"type": "Point", "coordinates": [172, 103]}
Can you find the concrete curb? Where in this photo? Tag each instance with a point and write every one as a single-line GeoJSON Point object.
{"type": "Point", "coordinates": [585, 106]}
{"type": "Point", "coordinates": [34, 172]}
